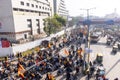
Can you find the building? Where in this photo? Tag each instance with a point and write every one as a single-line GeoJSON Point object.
{"type": "Point", "coordinates": [60, 8]}
{"type": "Point", "coordinates": [113, 15]}
{"type": "Point", "coordinates": [23, 19]}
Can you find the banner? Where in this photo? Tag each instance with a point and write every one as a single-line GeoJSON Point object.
{"type": "Point", "coordinates": [4, 44]}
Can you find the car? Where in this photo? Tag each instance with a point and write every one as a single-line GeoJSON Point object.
{"type": "Point", "coordinates": [94, 38]}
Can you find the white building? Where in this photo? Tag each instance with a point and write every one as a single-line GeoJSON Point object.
{"type": "Point", "coordinates": [113, 15]}
{"type": "Point", "coordinates": [21, 19]}
{"type": "Point", "coordinates": [60, 8]}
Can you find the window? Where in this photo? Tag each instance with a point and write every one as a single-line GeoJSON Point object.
{"type": "Point", "coordinates": [22, 3]}
{"type": "Point", "coordinates": [38, 30]}
{"type": "Point", "coordinates": [38, 25]}
{"type": "Point", "coordinates": [37, 20]}
{"type": "Point", "coordinates": [39, 13]}
{"type": "Point", "coordinates": [21, 9]}
{"type": "Point", "coordinates": [36, 11]}
{"type": "Point", "coordinates": [25, 36]}
{"type": "Point", "coordinates": [32, 5]}
{"type": "Point", "coordinates": [45, 8]}
{"type": "Point", "coordinates": [28, 4]}
{"type": "Point", "coordinates": [29, 23]}
{"type": "Point", "coordinates": [15, 9]}
{"type": "Point", "coordinates": [36, 6]}
{"type": "Point", "coordinates": [31, 11]}
{"type": "Point", "coordinates": [40, 7]}
{"type": "Point", "coordinates": [27, 11]}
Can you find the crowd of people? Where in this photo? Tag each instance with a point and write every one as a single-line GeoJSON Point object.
{"type": "Point", "coordinates": [48, 60]}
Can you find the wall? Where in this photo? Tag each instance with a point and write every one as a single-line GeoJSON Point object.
{"type": "Point", "coordinates": [29, 45]}
{"type": "Point", "coordinates": [24, 27]}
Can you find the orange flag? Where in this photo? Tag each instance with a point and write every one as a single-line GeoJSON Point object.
{"type": "Point", "coordinates": [21, 71]}
{"type": "Point", "coordinates": [49, 45]}
{"type": "Point", "coordinates": [66, 52]}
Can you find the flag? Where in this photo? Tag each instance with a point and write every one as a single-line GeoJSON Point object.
{"type": "Point", "coordinates": [66, 52]}
{"type": "Point", "coordinates": [79, 52]}
{"type": "Point", "coordinates": [4, 44]}
{"type": "Point", "coordinates": [49, 45]}
{"type": "Point", "coordinates": [21, 70]}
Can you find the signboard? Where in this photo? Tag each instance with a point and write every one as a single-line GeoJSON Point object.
{"type": "Point", "coordinates": [87, 50]}
{"type": "Point", "coordinates": [86, 22]}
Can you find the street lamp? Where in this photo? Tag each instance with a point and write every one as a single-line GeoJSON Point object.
{"type": "Point", "coordinates": [87, 45]}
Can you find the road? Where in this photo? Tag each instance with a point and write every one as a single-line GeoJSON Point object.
{"type": "Point", "coordinates": [111, 62]}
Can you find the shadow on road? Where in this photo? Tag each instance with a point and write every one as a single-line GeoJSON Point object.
{"type": "Point", "coordinates": [113, 66]}
{"type": "Point", "coordinates": [98, 43]}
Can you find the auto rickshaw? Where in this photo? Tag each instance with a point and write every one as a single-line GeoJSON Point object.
{"type": "Point", "coordinates": [115, 49]}
{"type": "Point", "coordinates": [99, 58]}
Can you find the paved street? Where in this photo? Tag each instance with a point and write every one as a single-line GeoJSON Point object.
{"type": "Point", "coordinates": [111, 62]}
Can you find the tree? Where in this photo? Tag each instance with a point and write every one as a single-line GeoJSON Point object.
{"type": "Point", "coordinates": [60, 19]}
{"type": "Point", "coordinates": [51, 25]}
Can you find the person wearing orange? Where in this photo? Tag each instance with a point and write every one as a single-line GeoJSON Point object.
{"type": "Point", "coordinates": [49, 77]}
{"type": "Point", "coordinates": [21, 71]}
{"type": "Point", "coordinates": [79, 52]}
{"type": "Point", "coordinates": [49, 45]}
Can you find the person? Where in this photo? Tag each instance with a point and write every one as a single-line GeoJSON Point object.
{"type": "Point", "coordinates": [92, 69]}
{"type": "Point", "coordinates": [77, 69]}
{"type": "Point", "coordinates": [49, 77]}
{"type": "Point", "coordinates": [79, 53]}
{"type": "Point", "coordinates": [21, 70]}
{"type": "Point", "coordinates": [68, 76]}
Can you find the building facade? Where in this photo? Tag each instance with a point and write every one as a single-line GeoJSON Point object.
{"type": "Point", "coordinates": [60, 8]}
{"type": "Point", "coordinates": [23, 19]}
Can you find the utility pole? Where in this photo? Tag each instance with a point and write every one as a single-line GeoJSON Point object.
{"type": "Point", "coordinates": [87, 44]}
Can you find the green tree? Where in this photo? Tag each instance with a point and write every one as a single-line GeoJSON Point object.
{"type": "Point", "coordinates": [51, 25]}
{"type": "Point", "coordinates": [60, 19]}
